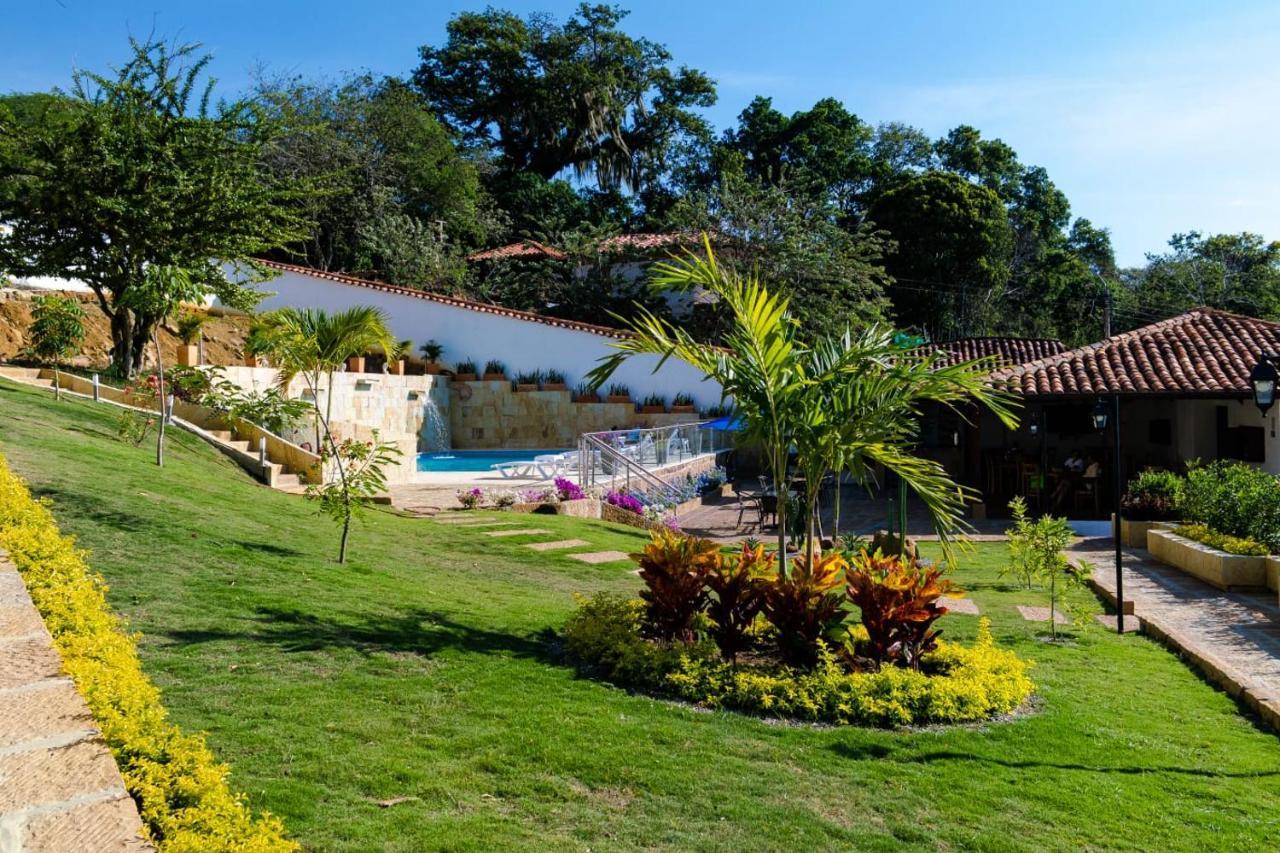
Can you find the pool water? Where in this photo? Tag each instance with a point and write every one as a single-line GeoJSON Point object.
{"type": "Point", "coordinates": [474, 460]}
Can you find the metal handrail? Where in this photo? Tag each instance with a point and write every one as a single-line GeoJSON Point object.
{"type": "Point", "coordinates": [591, 443]}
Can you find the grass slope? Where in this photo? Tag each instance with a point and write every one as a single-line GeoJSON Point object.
{"type": "Point", "coordinates": [426, 668]}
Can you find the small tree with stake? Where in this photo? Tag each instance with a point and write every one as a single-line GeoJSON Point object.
{"type": "Point", "coordinates": [360, 467]}
{"type": "Point", "coordinates": [1036, 548]}
{"type": "Point", "coordinates": [57, 330]}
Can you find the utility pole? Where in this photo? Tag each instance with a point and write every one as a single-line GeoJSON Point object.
{"type": "Point", "coordinates": [1106, 311]}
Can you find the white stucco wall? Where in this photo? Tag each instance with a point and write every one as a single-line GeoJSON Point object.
{"type": "Point", "coordinates": [475, 335]}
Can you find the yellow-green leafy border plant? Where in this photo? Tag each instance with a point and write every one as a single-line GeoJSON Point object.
{"type": "Point", "coordinates": [180, 788]}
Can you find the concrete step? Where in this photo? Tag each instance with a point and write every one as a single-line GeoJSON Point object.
{"type": "Point", "coordinates": [221, 434]}
{"type": "Point", "coordinates": [286, 481]}
{"type": "Point", "coordinates": [240, 445]}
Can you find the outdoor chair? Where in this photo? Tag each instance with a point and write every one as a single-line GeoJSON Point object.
{"type": "Point", "coordinates": [748, 500]}
{"type": "Point", "coordinates": [512, 470]}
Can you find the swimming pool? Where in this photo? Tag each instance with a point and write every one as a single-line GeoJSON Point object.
{"type": "Point", "coordinates": [474, 460]}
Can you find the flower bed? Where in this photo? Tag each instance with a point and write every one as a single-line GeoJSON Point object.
{"type": "Point", "coordinates": [180, 788]}
{"type": "Point", "coordinates": [1211, 565]}
{"type": "Point", "coordinates": [961, 684]}
{"type": "Point", "coordinates": [728, 631]}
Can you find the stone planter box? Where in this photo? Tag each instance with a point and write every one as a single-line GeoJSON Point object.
{"type": "Point", "coordinates": [525, 388]}
{"type": "Point", "coordinates": [432, 368]}
{"type": "Point", "coordinates": [653, 410]}
{"type": "Point", "coordinates": [618, 398]}
{"type": "Point", "coordinates": [397, 368]}
{"type": "Point", "coordinates": [713, 495]}
{"type": "Point", "coordinates": [554, 386]}
{"type": "Point", "coordinates": [355, 364]}
{"type": "Point", "coordinates": [188, 355]}
{"type": "Point", "coordinates": [587, 398]}
{"type": "Point", "coordinates": [683, 410]}
{"type": "Point", "coordinates": [1214, 567]}
{"type": "Point", "coordinates": [1273, 573]}
{"type": "Point", "coordinates": [464, 377]}
{"type": "Point", "coordinates": [495, 377]}
{"type": "Point", "coordinates": [1133, 534]}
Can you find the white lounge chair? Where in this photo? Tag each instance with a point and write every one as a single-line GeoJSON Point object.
{"type": "Point", "coordinates": [550, 465]}
{"type": "Point", "coordinates": [512, 470]}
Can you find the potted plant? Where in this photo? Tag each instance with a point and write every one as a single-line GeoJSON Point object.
{"type": "Point", "coordinates": [1153, 497]}
{"type": "Point", "coordinates": [682, 404]}
{"type": "Point", "coordinates": [617, 394]}
{"type": "Point", "coordinates": [256, 342]}
{"type": "Point", "coordinates": [189, 331]}
{"type": "Point", "coordinates": [495, 371]}
{"type": "Point", "coordinates": [355, 364]}
{"type": "Point", "coordinates": [654, 404]}
{"type": "Point", "coordinates": [395, 358]}
{"type": "Point", "coordinates": [584, 393]}
{"type": "Point", "coordinates": [465, 371]}
{"type": "Point", "coordinates": [432, 351]}
{"type": "Point", "coordinates": [553, 380]}
{"type": "Point", "coordinates": [528, 380]}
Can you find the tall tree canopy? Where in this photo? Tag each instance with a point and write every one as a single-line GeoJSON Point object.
{"type": "Point", "coordinates": [399, 199]}
{"type": "Point", "coordinates": [580, 95]}
{"type": "Point", "coordinates": [1234, 272]}
{"type": "Point", "coordinates": [141, 171]}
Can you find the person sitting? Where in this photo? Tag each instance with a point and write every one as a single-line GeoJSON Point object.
{"type": "Point", "coordinates": [1074, 463]}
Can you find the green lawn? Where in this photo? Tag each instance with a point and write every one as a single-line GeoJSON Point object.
{"type": "Point", "coordinates": [427, 668]}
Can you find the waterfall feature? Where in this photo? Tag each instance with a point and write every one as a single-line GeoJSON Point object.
{"type": "Point", "coordinates": [435, 427]}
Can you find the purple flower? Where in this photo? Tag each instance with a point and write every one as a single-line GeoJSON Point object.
{"type": "Point", "coordinates": [622, 500]}
{"type": "Point", "coordinates": [569, 490]}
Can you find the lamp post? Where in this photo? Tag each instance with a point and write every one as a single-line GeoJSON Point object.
{"type": "Point", "coordinates": [1101, 416]}
{"type": "Point", "coordinates": [1263, 378]}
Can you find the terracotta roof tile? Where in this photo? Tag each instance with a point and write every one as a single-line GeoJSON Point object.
{"type": "Point", "coordinates": [645, 242]}
{"type": "Point", "coordinates": [1010, 351]}
{"type": "Point", "coordinates": [521, 249]}
{"type": "Point", "coordinates": [453, 301]}
{"type": "Point", "coordinates": [1204, 351]}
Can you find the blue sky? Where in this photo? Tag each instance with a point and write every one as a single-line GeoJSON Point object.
{"type": "Point", "coordinates": [1154, 117]}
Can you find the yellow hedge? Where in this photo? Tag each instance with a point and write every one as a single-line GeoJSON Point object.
{"type": "Point", "coordinates": [180, 788]}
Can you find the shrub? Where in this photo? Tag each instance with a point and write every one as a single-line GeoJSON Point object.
{"type": "Point", "coordinates": [467, 367]}
{"type": "Point", "coordinates": [1236, 499]}
{"type": "Point", "coordinates": [1203, 534]}
{"type": "Point", "coordinates": [190, 325]}
{"type": "Point", "coordinates": [180, 789]}
{"type": "Point", "coordinates": [960, 683]}
{"type": "Point", "coordinates": [529, 377]}
{"type": "Point", "coordinates": [553, 377]}
{"type": "Point", "coordinates": [470, 498]}
{"type": "Point", "coordinates": [616, 390]}
{"type": "Point", "coordinates": [682, 399]}
{"type": "Point", "coordinates": [804, 606]}
{"type": "Point", "coordinates": [899, 603]}
{"type": "Point", "coordinates": [567, 490]}
{"type": "Point", "coordinates": [625, 500]}
{"type": "Point", "coordinates": [655, 400]}
{"type": "Point", "coordinates": [674, 569]}
{"type": "Point", "coordinates": [584, 389]}
{"type": "Point", "coordinates": [739, 582]}
{"type": "Point", "coordinates": [1036, 550]}
{"type": "Point", "coordinates": [495, 366]}
{"type": "Point", "coordinates": [1153, 496]}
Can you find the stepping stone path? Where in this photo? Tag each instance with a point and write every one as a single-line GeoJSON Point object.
{"type": "Point", "coordinates": [594, 557]}
{"type": "Point", "coordinates": [556, 546]}
{"type": "Point", "coordinates": [60, 788]}
{"type": "Point", "coordinates": [1131, 623]}
{"type": "Point", "coordinates": [523, 531]}
{"type": "Point", "coordinates": [1041, 614]}
{"type": "Point", "coordinates": [961, 605]}
{"type": "Point", "coordinates": [495, 523]}
{"type": "Point", "coordinates": [463, 519]}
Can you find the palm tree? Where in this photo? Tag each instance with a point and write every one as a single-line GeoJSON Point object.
{"type": "Point", "coordinates": [844, 405]}
{"type": "Point", "coordinates": [311, 342]}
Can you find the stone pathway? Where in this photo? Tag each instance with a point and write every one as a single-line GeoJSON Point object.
{"type": "Point", "coordinates": [60, 789]}
{"type": "Point", "coordinates": [1232, 637]}
{"type": "Point", "coordinates": [521, 531]}
{"type": "Point", "coordinates": [556, 546]}
{"type": "Point", "coordinates": [967, 606]}
{"type": "Point", "coordinates": [1041, 614]}
{"type": "Point", "coordinates": [594, 557]}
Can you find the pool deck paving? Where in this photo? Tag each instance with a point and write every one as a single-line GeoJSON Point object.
{"type": "Point", "coordinates": [1232, 637]}
{"type": "Point", "coordinates": [60, 789]}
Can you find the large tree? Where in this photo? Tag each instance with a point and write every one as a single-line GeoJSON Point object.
{"type": "Point", "coordinates": [952, 257]}
{"type": "Point", "coordinates": [1234, 272]}
{"type": "Point", "coordinates": [581, 95]}
{"type": "Point", "coordinates": [140, 171]}
{"type": "Point", "coordinates": [833, 274]}
{"type": "Point", "coordinates": [400, 198]}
